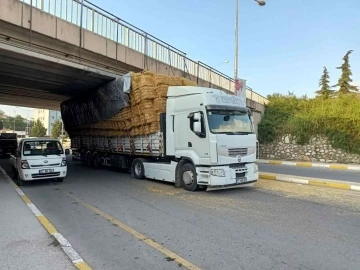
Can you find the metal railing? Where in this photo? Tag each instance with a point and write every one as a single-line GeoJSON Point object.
{"type": "Point", "coordinates": [97, 20]}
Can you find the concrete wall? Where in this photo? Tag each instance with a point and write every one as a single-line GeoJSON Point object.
{"type": "Point", "coordinates": [53, 35]}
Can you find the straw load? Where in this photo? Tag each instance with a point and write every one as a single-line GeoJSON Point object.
{"type": "Point", "coordinates": [147, 101]}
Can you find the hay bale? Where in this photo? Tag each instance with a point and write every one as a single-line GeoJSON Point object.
{"type": "Point", "coordinates": [148, 93]}
{"type": "Point", "coordinates": [186, 82]}
{"type": "Point", "coordinates": [159, 104]}
{"type": "Point", "coordinates": [145, 80]}
{"type": "Point", "coordinates": [148, 116]}
{"type": "Point", "coordinates": [174, 81]}
{"type": "Point", "coordinates": [146, 105]}
{"type": "Point", "coordinates": [161, 91]}
{"type": "Point", "coordinates": [154, 127]}
{"type": "Point", "coordinates": [160, 79]}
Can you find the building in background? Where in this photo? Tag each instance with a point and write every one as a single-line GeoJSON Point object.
{"type": "Point", "coordinates": [47, 118]}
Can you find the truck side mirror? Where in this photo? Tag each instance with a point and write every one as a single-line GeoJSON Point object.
{"type": "Point", "coordinates": [197, 117]}
{"type": "Point", "coordinates": [196, 124]}
{"type": "Point", "coordinates": [67, 151]}
{"type": "Point", "coordinates": [197, 127]}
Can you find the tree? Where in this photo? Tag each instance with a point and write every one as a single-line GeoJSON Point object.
{"type": "Point", "coordinates": [2, 114]}
{"type": "Point", "coordinates": [17, 122]}
{"type": "Point", "coordinates": [56, 129]}
{"type": "Point", "coordinates": [344, 81]}
{"type": "Point", "coordinates": [38, 129]}
{"type": "Point", "coordinates": [325, 91]}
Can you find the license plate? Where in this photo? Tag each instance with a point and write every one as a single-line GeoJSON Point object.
{"type": "Point", "coordinates": [241, 180]}
{"type": "Point", "coordinates": [46, 171]}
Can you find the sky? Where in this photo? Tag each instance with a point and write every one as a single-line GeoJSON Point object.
{"type": "Point", "coordinates": [283, 46]}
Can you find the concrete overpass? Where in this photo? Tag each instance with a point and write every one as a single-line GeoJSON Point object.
{"type": "Point", "coordinates": [54, 49]}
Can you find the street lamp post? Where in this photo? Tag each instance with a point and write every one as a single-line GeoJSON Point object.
{"type": "Point", "coordinates": [261, 3]}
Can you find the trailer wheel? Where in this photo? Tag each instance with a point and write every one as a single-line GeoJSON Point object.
{"type": "Point", "coordinates": [188, 177]}
{"type": "Point", "coordinates": [138, 169]}
{"type": "Point", "coordinates": [88, 159]}
{"type": "Point", "coordinates": [83, 157]}
{"type": "Point", "coordinates": [96, 161]}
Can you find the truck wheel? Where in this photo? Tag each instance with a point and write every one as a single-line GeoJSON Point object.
{"type": "Point", "coordinates": [14, 172]}
{"type": "Point", "coordinates": [61, 179]}
{"type": "Point", "coordinates": [188, 177]}
{"type": "Point", "coordinates": [19, 181]}
{"type": "Point", "coordinates": [138, 169]}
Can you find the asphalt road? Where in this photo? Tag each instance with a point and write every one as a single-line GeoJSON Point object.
{"type": "Point", "coordinates": [116, 222]}
{"type": "Point", "coordinates": [342, 175]}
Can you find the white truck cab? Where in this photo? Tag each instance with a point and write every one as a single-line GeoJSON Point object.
{"type": "Point", "coordinates": [215, 132]}
{"type": "Point", "coordinates": [39, 158]}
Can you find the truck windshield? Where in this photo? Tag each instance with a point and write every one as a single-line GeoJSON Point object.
{"type": "Point", "coordinates": [42, 148]}
{"type": "Point", "coordinates": [230, 122]}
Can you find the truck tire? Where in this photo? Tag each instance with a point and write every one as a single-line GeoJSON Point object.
{"type": "Point", "coordinates": [19, 181]}
{"type": "Point", "coordinates": [138, 169]}
{"type": "Point", "coordinates": [188, 177]}
{"type": "Point", "coordinates": [61, 179]}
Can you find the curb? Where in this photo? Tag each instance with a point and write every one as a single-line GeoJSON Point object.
{"type": "Point", "coordinates": [70, 252]}
{"type": "Point", "coordinates": [310, 164]}
{"type": "Point", "coordinates": [311, 181]}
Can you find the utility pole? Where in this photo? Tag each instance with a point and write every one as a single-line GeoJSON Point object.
{"type": "Point", "coordinates": [236, 75]}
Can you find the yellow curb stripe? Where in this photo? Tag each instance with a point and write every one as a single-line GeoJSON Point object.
{"type": "Point", "coordinates": [82, 266]}
{"type": "Point", "coordinates": [138, 235]}
{"type": "Point", "coordinates": [13, 184]}
{"type": "Point", "coordinates": [303, 164]}
{"type": "Point", "coordinates": [47, 225]}
{"type": "Point", "coordinates": [338, 167]}
{"type": "Point", "coordinates": [329, 184]}
{"type": "Point", "coordinates": [275, 162]}
{"type": "Point", "coordinates": [79, 262]}
{"type": "Point", "coordinates": [25, 199]}
{"type": "Point", "coordinates": [267, 176]}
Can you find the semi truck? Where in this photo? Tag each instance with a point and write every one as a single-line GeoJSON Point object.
{"type": "Point", "coordinates": [206, 140]}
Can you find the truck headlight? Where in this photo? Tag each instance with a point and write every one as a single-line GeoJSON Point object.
{"type": "Point", "coordinates": [63, 162]}
{"type": "Point", "coordinates": [217, 172]}
{"type": "Point", "coordinates": [256, 168]}
{"type": "Point", "coordinates": [25, 165]}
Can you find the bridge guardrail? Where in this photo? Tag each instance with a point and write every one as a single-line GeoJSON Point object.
{"type": "Point", "coordinates": [97, 20]}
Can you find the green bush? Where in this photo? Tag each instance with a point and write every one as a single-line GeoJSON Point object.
{"type": "Point", "coordinates": [338, 119]}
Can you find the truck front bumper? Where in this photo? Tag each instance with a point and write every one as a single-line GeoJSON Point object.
{"type": "Point", "coordinates": [223, 177]}
{"type": "Point", "coordinates": [34, 174]}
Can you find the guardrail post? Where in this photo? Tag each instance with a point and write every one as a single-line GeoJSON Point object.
{"type": "Point", "coordinates": [198, 70]}
{"type": "Point", "coordinates": [117, 41]}
{"type": "Point", "coordinates": [210, 77]}
{"type": "Point", "coordinates": [127, 37]}
{"type": "Point", "coordinates": [30, 22]}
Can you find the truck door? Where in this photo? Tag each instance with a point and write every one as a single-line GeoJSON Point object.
{"type": "Point", "coordinates": [198, 139]}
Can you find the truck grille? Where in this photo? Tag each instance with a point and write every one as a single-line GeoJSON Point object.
{"type": "Point", "coordinates": [233, 152]}
{"type": "Point", "coordinates": [45, 165]}
{"type": "Point", "coordinates": [42, 175]}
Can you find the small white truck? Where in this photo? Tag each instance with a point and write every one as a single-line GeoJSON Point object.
{"type": "Point", "coordinates": [39, 158]}
{"type": "Point", "coordinates": [206, 139]}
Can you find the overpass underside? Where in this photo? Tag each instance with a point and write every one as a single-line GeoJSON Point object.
{"type": "Point", "coordinates": [31, 79]}
{"type": "Point", "coordinates": [45, 59]}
